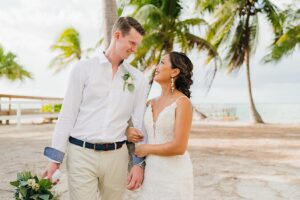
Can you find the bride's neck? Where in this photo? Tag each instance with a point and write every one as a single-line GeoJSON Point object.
{"type": "Point", "coordinates": [166, 90]}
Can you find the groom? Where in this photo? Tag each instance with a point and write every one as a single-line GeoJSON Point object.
{"type": "Point", "coordinates": [102, 95]}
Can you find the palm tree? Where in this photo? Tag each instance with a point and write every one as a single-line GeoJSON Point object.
{"type": "Point", "coordinates": [289, 40]}
{"type": "Point", "coordinates": [109, 16]}
{"type": "Point", "coordinates": [68, 46]}
{"type": "Point", "coordinates": [165, 30]}
{"type": "Point", "coordinates": [10, 68]}
{"type": "Point", "coordinates": [235, 27]}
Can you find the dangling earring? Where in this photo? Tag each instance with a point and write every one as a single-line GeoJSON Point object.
{"type": "Point", "coordinates": [172, 85]}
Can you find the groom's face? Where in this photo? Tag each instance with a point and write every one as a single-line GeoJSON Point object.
{"type": "Point", "coordinates": [128, 43]}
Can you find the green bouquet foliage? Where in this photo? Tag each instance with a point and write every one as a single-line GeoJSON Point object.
{"type": "Point", "coordinates": [31, 187]}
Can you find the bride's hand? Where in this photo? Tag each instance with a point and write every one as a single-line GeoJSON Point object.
{"type": "Point", "coordinates": [134, 135]}
{"type": "Point", "coordinates": [141, 150]}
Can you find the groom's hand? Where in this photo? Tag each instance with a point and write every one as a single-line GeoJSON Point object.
{"type": "Point", "coordinates": [135, 177]}
{"type": "Point", "coordinates": [134, 135]}
{"type": "Point", "coordinates": [50, 169]}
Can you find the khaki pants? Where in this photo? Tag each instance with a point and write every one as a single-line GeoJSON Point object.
{"type": "Point", "coordinates": [93, 174]}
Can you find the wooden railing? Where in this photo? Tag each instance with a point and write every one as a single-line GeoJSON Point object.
{"type": "Point", "coordinates": [17, 107]}
{"type": "Point", "coordinates": [217, 112]}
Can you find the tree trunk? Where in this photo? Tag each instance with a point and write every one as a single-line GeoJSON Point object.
{"type": "Point", "coordinates": [109, 16]}
{"type": "Point", "coordinates": [254, 115]}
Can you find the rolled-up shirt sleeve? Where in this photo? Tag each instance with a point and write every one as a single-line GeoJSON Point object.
{"type": "Point", "coordinates": [138, 114]}
{"type": "Point", "coordinates": [68, 114]}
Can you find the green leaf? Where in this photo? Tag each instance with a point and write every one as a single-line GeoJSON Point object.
{"type": "Point", "coordinates": [23, 183]}
{"type": "Point", "coordinates": [15, 183]}
{"type": "Point", "coordinates": [24, 176]}
{"type": "Point", "coordinates": [44, 196]}
{"type": "Point", "coordinates": [45, 184]}
{"type": "Point", "coordinates": [130, 87]}
{"type": "Point", "coordinates": [126, 76]}
{"type": "Point", "coordinates": [23, 191]}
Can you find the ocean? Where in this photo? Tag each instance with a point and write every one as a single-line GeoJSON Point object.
{"type": "Point", "coordinates": [270, 112]}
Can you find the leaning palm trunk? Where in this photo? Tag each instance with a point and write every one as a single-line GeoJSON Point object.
{"type": "Point", "coordinates": [109, 16]}
{"type": "Point", "coordinates": [254, 115]}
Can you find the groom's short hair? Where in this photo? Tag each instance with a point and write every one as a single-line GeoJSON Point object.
{"type": "Point", "coordinates": [124, 24]}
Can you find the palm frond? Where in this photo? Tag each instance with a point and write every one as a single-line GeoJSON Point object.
{"type": "Point", "coordinates": [272, 13]}
{"type": "Point", "coordinates": [201, 44]}
{"type": "Point", "coordinates": [10, 68]}
{"type": "Point", "coordinates": [61, 62]}
{"type": "Point", "coordinates": [254, 32]}
{"type": "Point", "coordinates": [236, 52]}
{"type": "Point", "coordinates": [149, 15]}
{"type": "Point", "coordinates": [220, 30]}
{"type": "Point", "coordinates": [150, 42]}
{"type": "Point", "coordinates": [171, 8]}
{"type": "Point", "coordinates": [284, 45]}
{"type": "Point", "coordinates": [68, 48]}
{"type": "Point", "coordinates": [289, 40]}
{"type": "Point", "coordinates": [208, 5]}
{"type": "Point", "coordinates": [192, 22]}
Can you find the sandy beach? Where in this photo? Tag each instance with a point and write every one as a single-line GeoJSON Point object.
{"type": "Point", "coordinates": [231, 161]}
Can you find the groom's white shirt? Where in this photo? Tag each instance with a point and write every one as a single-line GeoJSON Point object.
{"type": "Point", "coordinates": [96, 108]}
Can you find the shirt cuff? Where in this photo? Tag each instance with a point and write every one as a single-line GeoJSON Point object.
{"type": "Point", "coordinates": [137, 160]}
{"type": "Point", "coordinates": [54, 154]}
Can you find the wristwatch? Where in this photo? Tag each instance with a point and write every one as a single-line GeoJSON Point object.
{"type": "Point", "coordinates": [142, 164]}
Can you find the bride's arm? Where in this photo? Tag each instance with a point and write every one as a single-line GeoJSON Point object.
{"type": "Point", "coordinates": [182, 129]}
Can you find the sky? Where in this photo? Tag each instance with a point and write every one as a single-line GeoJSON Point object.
{"type": "Point", "coordinates": [29, 27]}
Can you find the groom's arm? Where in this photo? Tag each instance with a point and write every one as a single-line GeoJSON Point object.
{"type": "Point", "coordinates": [68, 114]}
{"type": "Point", "coordinates": [136, 174]}
{"type": "Point", "coordinates": [137, 116]}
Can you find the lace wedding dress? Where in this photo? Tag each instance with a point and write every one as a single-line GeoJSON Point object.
{"type": "Point", "coordinates": [166, 177]}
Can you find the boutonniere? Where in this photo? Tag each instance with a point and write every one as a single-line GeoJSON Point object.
{"type": "Point", "coordinates": [128, 81]}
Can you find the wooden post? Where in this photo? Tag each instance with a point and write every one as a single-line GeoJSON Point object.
{"type": "Point", "coordinates": [9, 110]}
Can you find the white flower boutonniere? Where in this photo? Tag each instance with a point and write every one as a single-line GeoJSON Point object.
{"type": "Point", "coordinates": [128, 82]}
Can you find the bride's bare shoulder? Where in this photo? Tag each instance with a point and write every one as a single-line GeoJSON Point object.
{"type": "Point", "coordinates": [184, 102]}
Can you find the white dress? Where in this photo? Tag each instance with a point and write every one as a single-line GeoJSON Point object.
{"type": "Point", "coordinates": [166, 177]}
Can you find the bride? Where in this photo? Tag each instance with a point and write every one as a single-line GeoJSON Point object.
{"type": "Point", "coordinates": [168, 118]}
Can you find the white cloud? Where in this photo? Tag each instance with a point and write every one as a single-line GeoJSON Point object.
{"type": "Point", "coordinates": [29, 27]}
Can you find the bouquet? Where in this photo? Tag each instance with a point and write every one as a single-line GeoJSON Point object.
{"type": "Point", "coordinates": [31, 187]}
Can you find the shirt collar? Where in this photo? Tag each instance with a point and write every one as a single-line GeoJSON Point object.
{"type": "Point", "coordinates": [103, 59]}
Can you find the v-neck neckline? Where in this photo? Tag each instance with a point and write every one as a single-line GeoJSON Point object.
{"type": "Point", "coordinates": [158, 115]}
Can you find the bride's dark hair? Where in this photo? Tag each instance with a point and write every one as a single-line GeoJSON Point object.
{"type": "Point", "coordinates": [183, 81]}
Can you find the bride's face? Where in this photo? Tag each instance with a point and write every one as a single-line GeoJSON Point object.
{"type": "Point", "coordinates": [164, 71]}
